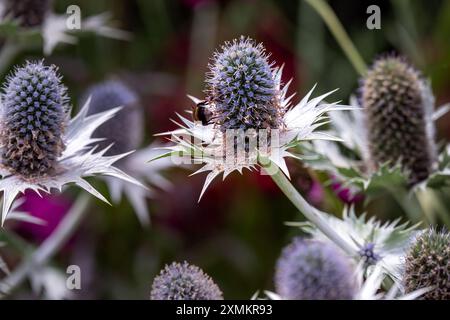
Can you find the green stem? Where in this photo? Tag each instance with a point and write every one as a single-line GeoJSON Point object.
{"type": "Point", "coordinates": [311, 213]}
{"type": "Point", "coordinates": [408, 203]}
{"type": "Point", "coordinates": [50, 246]}
{"type": "Point", "coordinates": [432, 206]}
{"type": "Point", "coordinates": [338, 31]}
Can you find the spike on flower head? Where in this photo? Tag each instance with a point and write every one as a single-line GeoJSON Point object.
{"type": "Point", "coordinates": [33, 119]}
{"type": "Point", "coordinates": [184, 282]}
{"type": "Point", "coordinates": [427, 265]}
{"type": "Point", "coordinates": [242, 89]}
{"type": "Point", "coordinates": [29, 13]}
{"type": "Point", "coordinates": [397, 104]}
{"type": "Point", "coordinates": [125, 130]}
{"type": "Point", "coordinates": [312, 270]}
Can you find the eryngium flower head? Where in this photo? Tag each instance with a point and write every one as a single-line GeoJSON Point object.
{"type": "Point", "coordinates": [33, 121]}
{"type": "Point", "coordinates": [184, 282]}
{"type": "Point", "coordinates": [241, 87]}
{"type": "Point", "coordinates": [246, 120]}
{"type": "Point", "coordinates": [125, 129]}
{"type": "Point", "coordinates": [41, 147]}
{"type": "Point", "coordinates": [313, 270]}
{"type": "Point", "coordinates": [29, 13]}
{"type": "Point", "coordinates": [428, 265]}
{"type": "Point", "coordinates": [397, 105]}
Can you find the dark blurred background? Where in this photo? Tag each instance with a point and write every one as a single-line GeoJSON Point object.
{"type": "Point", "coordinates": [237, 231]}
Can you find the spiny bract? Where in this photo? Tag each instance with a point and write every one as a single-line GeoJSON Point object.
{"type": "Point", "coordinates": [312, 270]}
{"type": "Point", "coordinates": [184, 282]}
{"type": "Point", "coordinates": [428, 265]}
{"type": "Point", "coordinates": [29, 13]}
{"type": "Point", "coordinates": [33, 119]}
{"type": "Point", "coordinates": [396, 105]}
{"type": "Point", "coordinates": [241, 87]}
{"type": "Point", "coordinates": [125, 130]}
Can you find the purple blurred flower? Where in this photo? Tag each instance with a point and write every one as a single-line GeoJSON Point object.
{"type": "Point", "coordinates": [312, 270]}
{"type": "Point", "coordinates": [315, 193]}
{"type": "Point", "coordinates": [182, 281]}
{"type": "Point", "coordinates": [49, 208]}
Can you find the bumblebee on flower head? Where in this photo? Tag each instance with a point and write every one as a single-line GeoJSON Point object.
{"type": "Point", "coordinates": [201, 112]}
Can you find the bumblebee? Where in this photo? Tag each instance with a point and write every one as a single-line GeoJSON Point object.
{"type": "Point", "coordinates": [201, 113]}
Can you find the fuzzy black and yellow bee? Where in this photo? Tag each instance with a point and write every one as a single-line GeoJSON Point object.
{"type": "Point", "coordinates": [201, 113]}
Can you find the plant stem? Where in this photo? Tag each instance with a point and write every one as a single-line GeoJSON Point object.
{"type": "Point", "coordinates": [409, 204]}
{"type": "Point", "coordinates": [50, 246]}
{"type": "Point", "coordinates": [432, 206]}
{"type": "Point", "coordinates": [338, 31]}
{"type": "Point", "coordinates": [311, 213]}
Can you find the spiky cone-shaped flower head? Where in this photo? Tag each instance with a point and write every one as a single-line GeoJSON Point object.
{"type": "Point", "coordinates": [33, 118]}
{"type": "Point", "coordinates": [397, 104]}
{"type": "Point", "coordinates": [125, 129]}
{"type": "Point", "coordinates": [184, 282]}
{"type": "Point", "coordinates": [427, 265]}
{"type": "Point", "coordinates": [29, 13]}
{"type": "Point", "coordinates": [313, 270]}
{"type": "Point", "coordinates": [241, 87]}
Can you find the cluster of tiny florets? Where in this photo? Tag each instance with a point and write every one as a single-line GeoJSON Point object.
{"type": "Point", "coordinates": [125, 129]}
{"type": "Point", "coordinates": [33, 120]}
{"type": "Point", "coordinates": [184, 282]}
{"type": "Point", "coordinates": [241, 87]}
{"type": "Point", "coordinates": [395, 107]}
{"type": "Point", "coordinates": [29, 13]}
{"type": "Point", "coordinates": [368, 254]}
{"type": "Point", "coordinates": [427, 265]}
{"type": "Point", "coordinates": [312, 270]}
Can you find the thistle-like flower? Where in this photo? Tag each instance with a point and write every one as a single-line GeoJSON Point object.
{"type": "Point", "coordinates": [368, 287]}
{"type": "Point", "coordinates": [314, 270]}
{"type": "Point", "coordinates": [374, 243]}
{"type": "Point", "coordinates": [428, 265]}
{"type": "Point", "coordinates": [33, 121]}
{"type": "Point", "coordinates": [125, 131]}
{"type": "Point", "coordinates": [184, 282]}
{"type": "Point", "coordinates": [41, 148]}
{"type": "Point", "coordinates": [29, 13]}
{"type": "Point", "coordinates": [241, 86]}
{"type": "Point", "coordinates": [397, 105]}
{"type": "Point", "coordinates": [388, 143]}
{"type": "Point", "coordinates": [247, 119]}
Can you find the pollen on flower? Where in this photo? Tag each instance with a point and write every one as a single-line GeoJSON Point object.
{"type": "Point", "coordinates": [394, 99]}
{"type": "Point", "coordinates": [125, 129]}
{"type": "Point", "coordinates": [184, 282]}
{"type": "Point", "coordinates": [312, 270]}
{"type": "Point", "coordinates": [29, 13]}
{"type": "Point", "coordinates": [33, 120]}
{"type": "Point", "coordinates": [241, 87]}
{"type": "Point", "coordinates": [427, 265]}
